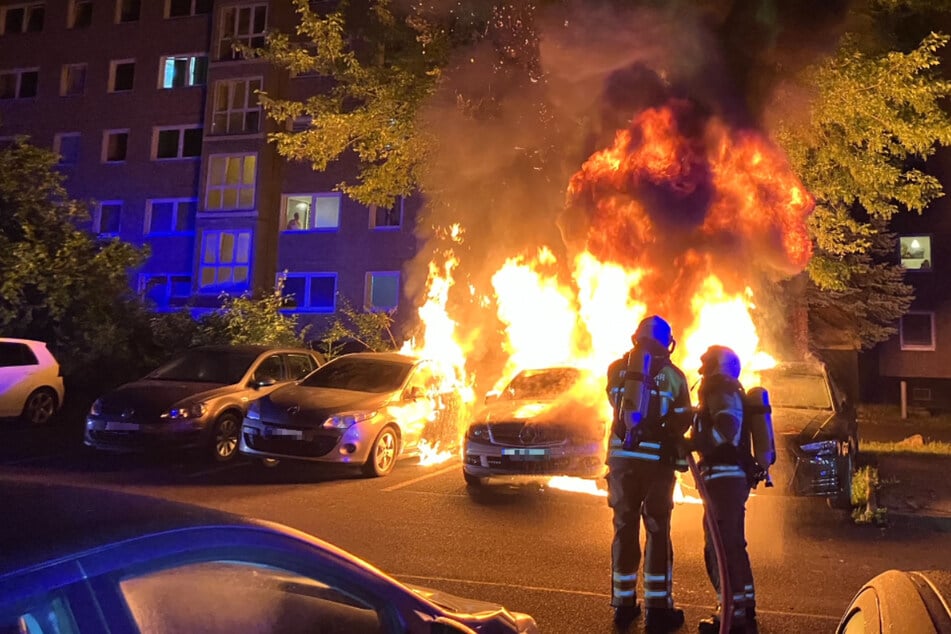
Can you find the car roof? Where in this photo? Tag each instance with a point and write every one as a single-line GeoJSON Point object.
{"type": "Point", "coordinates": [44, 521]}
{"type": "Point", "coordinates": [247, 347]}
{"type": "Point", "coordinates": [396, 357]}
{"type": "Point", "coordinates": [29, 342]}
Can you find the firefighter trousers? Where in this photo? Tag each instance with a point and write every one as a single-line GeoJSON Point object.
{"type": "Point", "coordinates": [727, 497]}
{"type": "Point", "coordinates": [641, 489]}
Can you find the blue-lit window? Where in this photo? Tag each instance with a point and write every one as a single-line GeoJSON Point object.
{"type": "Point", "coordinates": [166, 289]}
{"type": "Point", "coordinates": [306, 212]}
{"type": "Point", "coordinates": [179, 71]}
{"type": "Point", "coordinates": [231, 181]}
{"type": "Point", "coordinates": [225, 260]}
{"type": "Point", "coordinates": [106, 218]}
{"type": "Point", "coordinates": [177, 142]}
{"type": "Point", "coordinates": [382, 290]}
{"type": "Point", "coordinates": [241, 24]}
{"type": "Point", "coordinates": [316, 292]}
{"type": "Point", "coordinates": [387, 217]}
{"type": "Point", "coordinates": [66, 144]}
{"type": "Point", "coordinates": [170, 216]}
{"type": "Point", "coordinates": [19, 83]}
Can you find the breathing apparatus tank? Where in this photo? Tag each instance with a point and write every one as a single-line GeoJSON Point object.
{"type": "Point", "coordinates": [635, 398]}
{"type": "Point", "coordinates": [758, 413]}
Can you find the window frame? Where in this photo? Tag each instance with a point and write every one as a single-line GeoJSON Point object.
{"type": "Point", "coordinates": [148, 230]}
{"type": "Point", "coordinates": [192, 61]}
{"type": "Point", "coordinates": [179, 155]}
{"type": "Point", "coordinates": [113, 69]}
{"type": "Point", "coordinates": [218, 263]}
{"type": "Point", "coordinates": [106, 134]}
{"type": "Point", "coordinates": [930, 252]}
{"type": "Point", "coordinates": [312, 213]}
{"type": "Point", "coordinates": [20, 72]}
{"type": "Point", "coordinates": [144, 280]}
{"type": "Point", "coordinates": [368, 290]}
{"type": "Point", "coordinates": [913, 347]}
{"type": "Point", "coordinates": [118, 15]}
{"type": "Point", "coordinates": [400, 201]}
{"type": "Point", "coordinates": [58, 146]}
{"type": "Point", "coordinates": [28, 8]}
{"type": "Point", "coordinates": [305, 305]}
{"type": "Point", "coordinates": [225, 36]}
{"type": "Point", "coordinates": [167, 13]}
{"type": "Point", "coordinates": [72, 13]}
{"type": "Point", "coordinates": [209, 187]}
{"type": "Point", "coordinates": [228, 110]}
{"type": "Point", "coordinates": [64, 82]}
{"type": "Point", "coordinates": [97, 219]}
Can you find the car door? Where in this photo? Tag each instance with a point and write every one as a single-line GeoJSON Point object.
{"type": "Point", "coordinates": [19, 370]}
{"type": "Point", "coordinates": [267, 375]}
{"type": "Point", "coordinates": [423, 407]}
{"type": "Point", "coordinates": [299, 365]}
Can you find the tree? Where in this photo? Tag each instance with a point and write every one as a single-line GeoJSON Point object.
{"type": "Point", "coordinates": [58, 283]}
{"type": "Point", "coordinates": [371, 330]}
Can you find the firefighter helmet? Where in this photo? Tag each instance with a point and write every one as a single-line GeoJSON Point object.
{"type": "Point", "coordinates": [720, 360]}
{"type": "Point", "coordinates": [654, 328]}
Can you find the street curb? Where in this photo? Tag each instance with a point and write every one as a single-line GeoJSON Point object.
{"type": "Point", "coordinates": [938, 523]}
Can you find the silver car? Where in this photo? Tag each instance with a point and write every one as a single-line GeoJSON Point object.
{"type": "Point", "coordinates": [364, 409]}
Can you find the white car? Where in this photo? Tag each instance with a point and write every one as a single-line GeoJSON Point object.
{"type": "Point", "coordinates": [31, 386]}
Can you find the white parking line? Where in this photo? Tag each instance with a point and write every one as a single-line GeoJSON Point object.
{"type": "Point", "coordinates": [421, 478]}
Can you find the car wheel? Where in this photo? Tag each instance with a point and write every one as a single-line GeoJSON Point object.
{"type": "Point", "coordinates": [39, 407]}
{"type": "Point", "coordinates": [471, 480]}
{"type": "Point", "coordinates": [227, 433]}
{"type": "Point", "coordinates": [383, 454]}
{"type": "Point", "coordinates": [845, 469]}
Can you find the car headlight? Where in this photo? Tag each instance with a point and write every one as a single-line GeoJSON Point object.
{"type": "Point", "coordinates": [345, 420]}
{"type": "Point", "coordinates": [479, 432]}
{"type": "Point", "coordinates": [195, 410]}
{"type": "Point", "coordinates": [96, 409]}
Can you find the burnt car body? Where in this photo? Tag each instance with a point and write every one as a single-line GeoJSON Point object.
{"type": "Point", "coordinates": [84, 560]}
{"type": "Point", "coordinates": [901, 601]}
{"type": "Point", "coordinates": [196, 400]}
{"type": "Point", "coordinates": [542, 424]}
{"type": "Point", "coordinates": [365, 409]}
{"type": "Point", "coordinates": [816, 432]}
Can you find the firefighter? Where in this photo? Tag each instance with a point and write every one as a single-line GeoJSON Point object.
{"type": "Point", "coordinates": [726, 467]}
{"type": "Point", "coordinates": [641, 476]}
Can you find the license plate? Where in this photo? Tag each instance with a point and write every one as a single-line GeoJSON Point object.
{"type": "Point", "coordinates": [119, 426]}
{"type": "Point", "coordinates": [287, 433]}
{"type": "Point", "coordinates": [526, 454]}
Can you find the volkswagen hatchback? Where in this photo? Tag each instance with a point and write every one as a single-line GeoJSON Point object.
{"type": "Point", "coordinates": [31, 386]}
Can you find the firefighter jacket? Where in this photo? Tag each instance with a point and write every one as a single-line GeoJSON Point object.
{"type": "Point", "coordinates": [669, 414]}
{"type": "Point", "coordinates": [718, 433]}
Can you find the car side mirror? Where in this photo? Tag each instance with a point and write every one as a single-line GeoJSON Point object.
{"type": "Point", "coordinates": [261, 383]}
{"type": "Point", "coordinates": [492, 397]}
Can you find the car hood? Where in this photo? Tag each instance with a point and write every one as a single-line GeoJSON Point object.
{"type": "Point", "coordinates": [803, 423]}
{"type": "Point", "coordinates": [312, 405]}
{"type": "Point", "coordinates": [475, 613]}
{"type": "Point", "coordinates": [575, 413]}
{"type": "Point", "coordinates": [151, 397]}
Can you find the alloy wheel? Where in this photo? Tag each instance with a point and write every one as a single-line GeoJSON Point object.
{"type": "Point", "coordinates": [40, 407]}
{"type": "Point", "coordinates": [226, 437]}
{"type": "Point", "coordinates": [384, 453]}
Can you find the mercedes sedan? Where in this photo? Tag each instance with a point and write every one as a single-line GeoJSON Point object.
{"type": "Point", "coordinates": [364, 409]}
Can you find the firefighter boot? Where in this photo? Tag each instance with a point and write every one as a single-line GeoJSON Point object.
{"type": "Point", "coordinates": [625, 615]}
{"type": "Point", "coordinates": [663, 620]}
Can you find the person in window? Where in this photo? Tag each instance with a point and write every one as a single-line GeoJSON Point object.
{"type": "Point", "coordinates": [925, 265]}
{"type": "Point", "coordinates": [294, 223]}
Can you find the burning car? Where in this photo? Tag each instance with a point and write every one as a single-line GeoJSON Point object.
{"type": "Point", "coordinates": [816, 432]}
{"type": "Point", "coordinates": [541, 424]}
{"type": "Point", "coordinates": [365, 409]}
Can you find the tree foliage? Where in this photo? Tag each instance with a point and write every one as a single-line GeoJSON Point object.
{"type": "Point", "coordinates": [370, 330]}
{"type": "Point", "coordinates": [58, 283]}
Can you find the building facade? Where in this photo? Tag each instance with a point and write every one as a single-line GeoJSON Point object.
{"type": "Point", "coordinates": [157, 122]}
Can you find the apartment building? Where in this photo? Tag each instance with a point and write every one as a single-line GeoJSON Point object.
{"type": "Point", "coordinates": [155, 119]}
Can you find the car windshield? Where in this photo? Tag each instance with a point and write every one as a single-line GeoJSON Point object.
{"type": "Point", "coordinates": [805, 391]}
{"type": "Point", "coordinates": [541, 384]}
{"type": "Point", "coordinates": [360, 374]}
{"type": "Point", "coordinates": [207, 366]}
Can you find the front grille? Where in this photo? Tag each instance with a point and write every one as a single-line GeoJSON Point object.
{"type": "Point", "coordinates": [314, 448]}
{"type": "Point", "coordinates": [528, 434]}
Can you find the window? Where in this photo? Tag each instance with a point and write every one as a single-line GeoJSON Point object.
{"type": "Point", "coordinates": [23, 18]}
{"type": "Point", "coordinates": [73, 81]}
{"type": "Point", "coordinates": [105, 220]}
{"type": "Point", "coordinates": [18, 84]}
{"type": "Point", "coordinates": [185, 8]}
{"type": "Point", "coordinates": [128, 10]}
{"type": "Point", "coordinates": [179, 71]}
{"type": "Point", "coordinates": [121, 75]}
{"type": "Point", "coordinates": [225, 259]}
{"type": "Point", "coordinates": [270, 369]}
{"type": "Point", "coordinates": [166, 289]}
{"type": "Point", "coordinates": [176, 143]}
{"type": "Point", "coordinates": [921, 394]}
{"type": "Point", "coordinates": [382, 290]}
{"type": "Point", "coordinates": [387, 217]}
{"type": "Point", "coordinates": [315, 292]}
{"type": "Point", "coordinates": [236, 107]}
{"type": "Point", "coordinates": [231, 180]}
{"type": "Point", "coordinates": [114, 145]}
{"type": "Point", "coordinates": [66, 144]}
{"type": "Point", "coordinates": [299, 124]}
{"type": "Point", "coordinates": [172, 216]}
{"type": "Point", "coordinates": [243, 24]}
{"type": "Point", "coordinates": [299, 365]}
{"type": "Point", "coordinates": [303, 212]}
{"type": "Point", "coordinates": [80, 14]}
{"type": "Point", "coordinates": [916, 252]}
{"type": "Point", "coordinates": [16, 355]}
{"type": "Point", "coordinates": [917, 331]}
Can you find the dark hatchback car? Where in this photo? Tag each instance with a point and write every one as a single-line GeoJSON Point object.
{"type": "Point", "coordinates": [78, 560]}
{"type": "Point", "coordinates": [546, 422]}
{"type": "Point", "coordinates": [816, 429]}
{"type": "Point", "coordinates": [196, 400]}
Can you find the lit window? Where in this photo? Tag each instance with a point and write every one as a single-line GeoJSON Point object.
{"type": "Point", "coordinates": [18, 84]}
{"type": "Point", "coordinates": [916, 253]}
{"type": "Point", "coordinates": [67, 146]}
{"type": "Point", "coordinates": [303, 212]}
{"type": "Point", "coordinates": [74, 80]}
{"type": "Point", "coordinates": [121, 75]}
{"type": "Point", "coordinates": [225, 260]}
{"type": "Point", "coordinates": [185, 8]}
{"type": "Point", "coordinates": [115, 145]}
{"type": "Point", "coordinates": [314, 292]}
{"type": "Point", "coordinates": [128, 10]}
{"type": "Point", "coordinates": [242, 24]}
{"type": "Point", "coordinates": [80, 14]}
{"type": "Point", "coordinates": [179, 71]}
{"type": "Point", "coordinates": [105, 221]}
{"type": "Point", "coordinates": [382, 290]}
{"type": "Point", "coordinates": [387, 217]}
{"type": "Point", "coordinates": [231, 181]}
{"type": "Point", "coordinates": [917, 331]}
{"type": "Point", "coordinates": [23, 18]}
{"type": "Point", "coordinates": [172, 216]}
{"type": "Point", "coordinates": [175, 143]}
{"type": "Point", "coordinates": [236, 107]}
